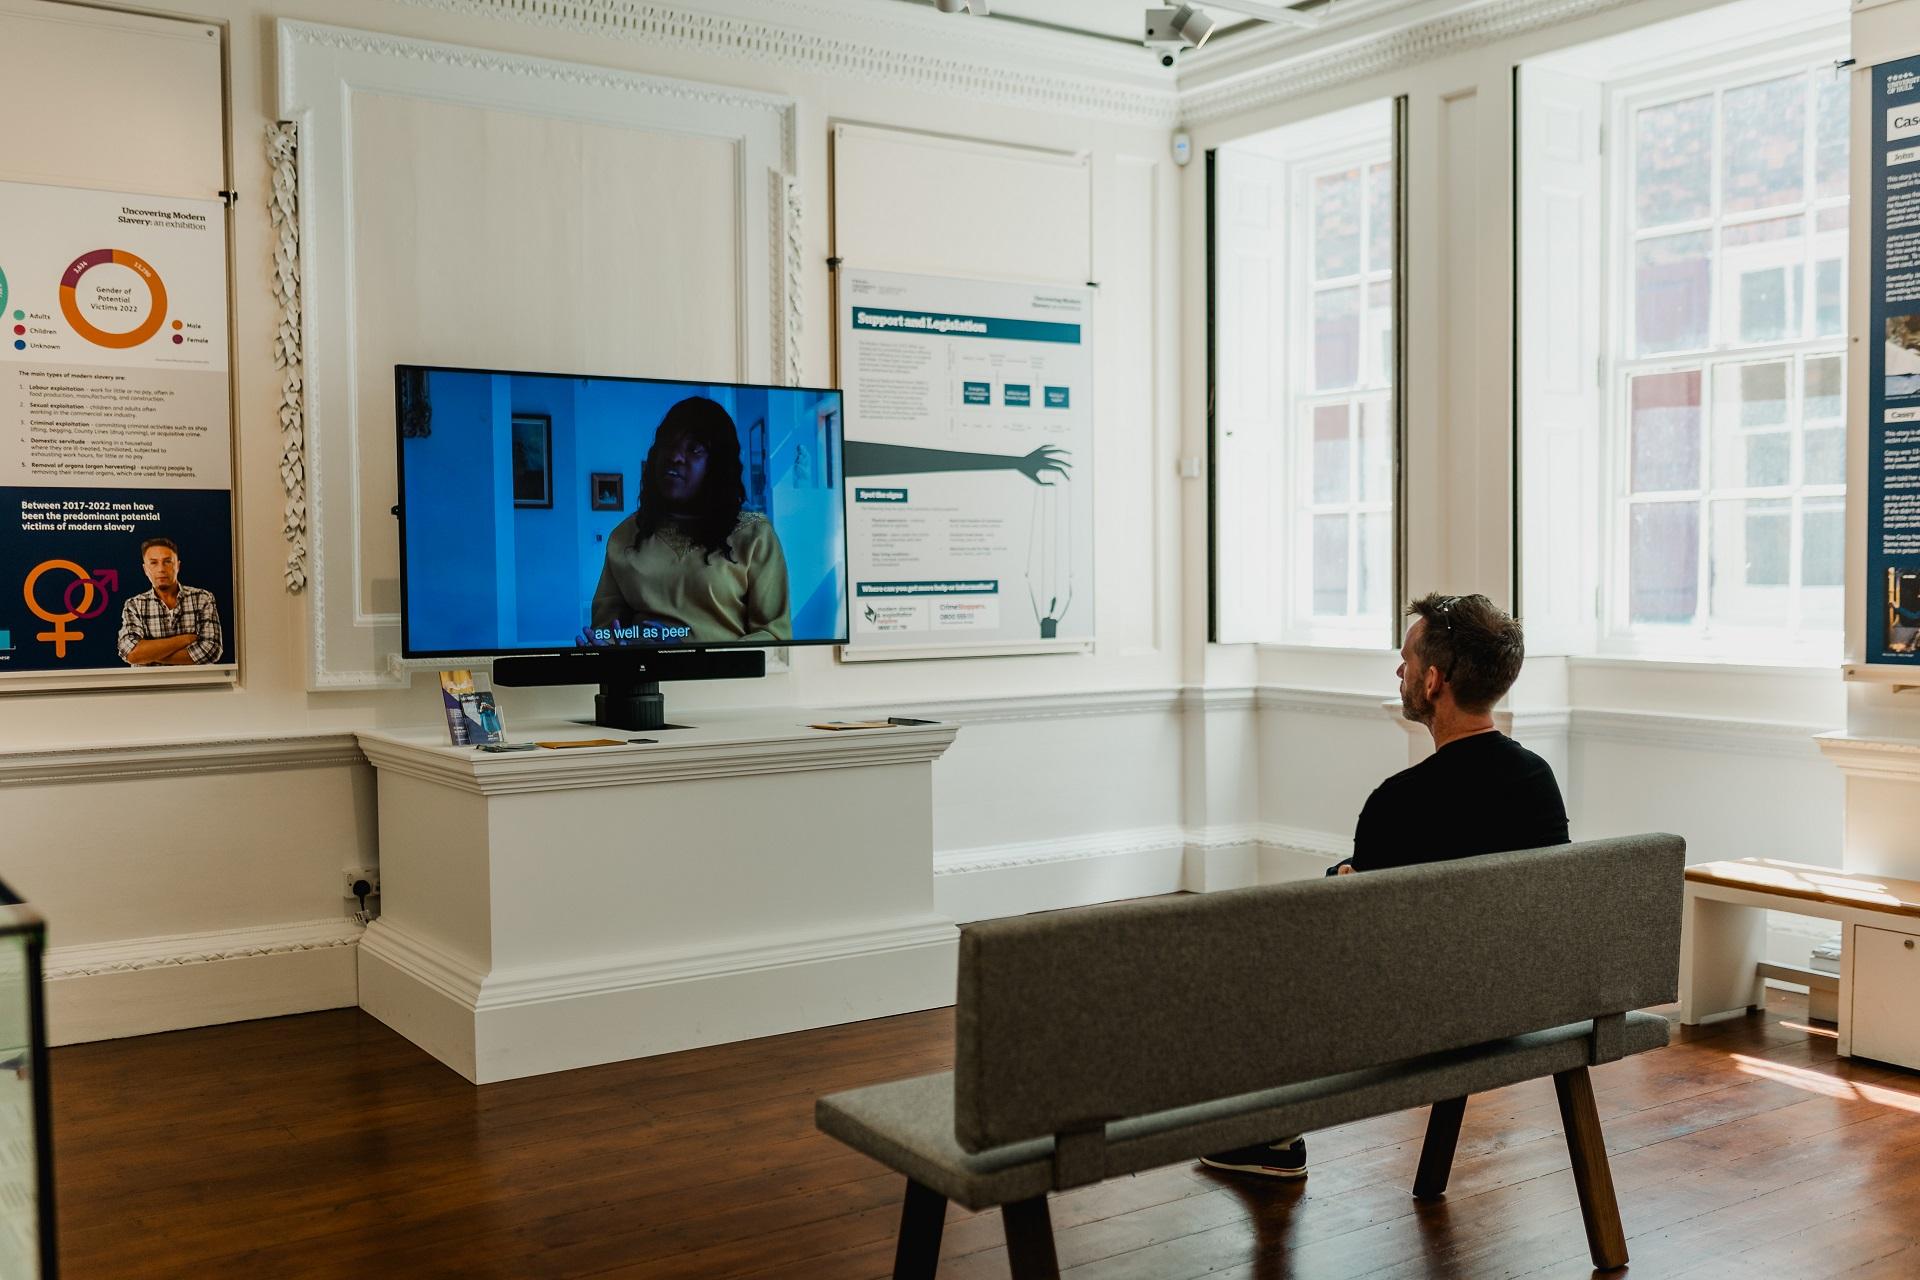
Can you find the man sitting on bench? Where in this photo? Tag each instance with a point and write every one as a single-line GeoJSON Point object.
{"type": "Point", "coordinates": [1479, 792]}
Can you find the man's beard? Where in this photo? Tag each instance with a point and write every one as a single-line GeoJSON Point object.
{"type": "Point", "coordinates": [1414, 705]}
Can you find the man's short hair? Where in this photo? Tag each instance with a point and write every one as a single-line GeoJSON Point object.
{"type": "Point", "coordinates": [150, 543]}
{"type": "Point", "coordinates": [1476, 645]}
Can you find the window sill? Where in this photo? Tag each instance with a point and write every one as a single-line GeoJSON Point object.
{"type": "Point", "coordinates": [1332, 648]}
{"type": "Point", "coordinates": [1791, 668]}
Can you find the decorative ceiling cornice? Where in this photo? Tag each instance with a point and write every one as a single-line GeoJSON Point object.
{"type": "Point", "coordinates": [1047, 70]}
{"type": "Point", "coordinates": [913, 49]}
{"type": "Point", "coordinates": [1286, 72]}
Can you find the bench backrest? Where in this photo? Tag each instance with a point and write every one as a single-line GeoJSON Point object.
{"type": "Point", "coordinates": [1067, 1020]}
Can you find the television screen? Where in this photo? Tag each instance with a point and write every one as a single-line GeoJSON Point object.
{"type": "Point", "coordinates": [541, 513]}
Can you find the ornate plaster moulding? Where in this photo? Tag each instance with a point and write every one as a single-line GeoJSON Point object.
{"type": "Point", "coordinates": [283, 150]}
{"type": "Point", "coordinates": [1251, 76]}
{"type": "Point", "coordinates": [1867, 756]}
{"type": "Point", "coordinates": [882, 42]}
{"type": "Point", "coordinates": [211, 757]}
{"type": "Point", "coordinates": [138, 955]}
{"type": "Point", "coordinates": [873, 41]}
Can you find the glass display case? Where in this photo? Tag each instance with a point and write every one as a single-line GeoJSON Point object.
{"type": "Point", "coordinates": [26, 1146]}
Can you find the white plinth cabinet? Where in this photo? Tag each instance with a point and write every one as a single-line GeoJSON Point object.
{"type": "Point", "coordinates": [555, 909]}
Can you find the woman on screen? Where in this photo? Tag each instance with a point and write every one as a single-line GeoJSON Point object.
{"type": "Point", "coordinates": [690, 567]}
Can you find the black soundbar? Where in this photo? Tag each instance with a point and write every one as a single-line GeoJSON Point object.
{"type": "Point", "coordinates": [622, 666]}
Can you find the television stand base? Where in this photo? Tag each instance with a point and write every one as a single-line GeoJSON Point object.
{"type": "Point", "coordinates": [630, 704]}
{"type": "Point", "coordinates": [629, 679]}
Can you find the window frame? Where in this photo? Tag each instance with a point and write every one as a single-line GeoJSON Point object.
{"type": "Point", "coordinates": [1706, 636]}
{"type": "Point", "coordinates": [1373, 385]}
{"type": "Point", "coordinates": [1258, 570]}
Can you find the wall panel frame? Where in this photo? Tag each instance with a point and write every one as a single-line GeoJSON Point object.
{"type": "Point", "coordinates": [355, 635]}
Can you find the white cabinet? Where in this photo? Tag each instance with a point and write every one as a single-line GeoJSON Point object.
{"type": "Point", "coordinates": [1886, 996]}
{"type": "Point", "coordinates": [555, 909]}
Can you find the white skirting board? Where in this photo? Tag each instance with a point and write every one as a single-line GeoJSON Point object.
{"type": "Point", "coordinates": [567, 1018]}
{"type": "Point", "coordinates": [168, 983]}
{"type": "Point", "coordinates": [1046, 875]}
{"type": "Point", "coordinates": [146, 985]}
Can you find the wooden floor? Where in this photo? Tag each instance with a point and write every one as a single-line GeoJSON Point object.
{"type": "Point", "coordinates": [325, 1145]}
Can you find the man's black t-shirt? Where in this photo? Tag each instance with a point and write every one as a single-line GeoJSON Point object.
{"type": "Point", "coordinates": [1482, 794]}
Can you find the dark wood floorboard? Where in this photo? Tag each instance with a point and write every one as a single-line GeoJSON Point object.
{"type": "Point", "coordinates": [326, 1146]}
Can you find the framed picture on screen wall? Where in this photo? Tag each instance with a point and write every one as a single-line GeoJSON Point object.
{"type": "Point", "coordinates": [532, 460]}
{"type": "Point", "coordinates": [606, 491]}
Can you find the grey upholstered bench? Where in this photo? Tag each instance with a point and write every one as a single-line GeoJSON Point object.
{"type": "Point", "coordinates": [1114, 1039]}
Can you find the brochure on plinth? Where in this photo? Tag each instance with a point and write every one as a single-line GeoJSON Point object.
{"type": "Point", "coordinates": [473, 719]}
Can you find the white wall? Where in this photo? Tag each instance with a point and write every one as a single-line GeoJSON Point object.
{"type": "Point", "coordinates": [205, 866]}
{"type": "Point", "coordinates": [1156, 762]}
{"type": "Point", "coordinates": [1722, 755]}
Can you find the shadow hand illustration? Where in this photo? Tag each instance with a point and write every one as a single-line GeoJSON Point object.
{"type": "Point", "coordinates": [1043, 463]}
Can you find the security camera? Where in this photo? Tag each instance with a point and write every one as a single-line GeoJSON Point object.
{"type": "Point", "coordinates": [1170, 29]}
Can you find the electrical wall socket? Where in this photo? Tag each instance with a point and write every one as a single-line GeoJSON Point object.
{"type": "Point", "coordinates": [352, 874]}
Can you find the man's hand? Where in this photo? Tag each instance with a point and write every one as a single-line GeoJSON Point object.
{"type": "Point", "coordinates": [1346, 869]}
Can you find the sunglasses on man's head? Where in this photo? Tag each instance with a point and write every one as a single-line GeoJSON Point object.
{"type": "Point", "coordinates": [1443, 611]}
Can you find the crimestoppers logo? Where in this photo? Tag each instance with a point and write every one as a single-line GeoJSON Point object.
{"type": "Point", "coordinates": [94, 588]}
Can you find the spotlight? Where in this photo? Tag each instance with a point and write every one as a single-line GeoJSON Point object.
{"type": "Point", "coordinates": [1171, 29]}
{"type": "Point", "coordinates": [977, 7]}
{"type": "Point", "coordinates": [1193, 24]}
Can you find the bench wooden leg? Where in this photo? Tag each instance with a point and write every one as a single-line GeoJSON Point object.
{"type": "Point", "coordinates": [923, 1216]}
{"type": "Point", "coordinates": [1436, 1154]}
{"type": "Point", "coordinates": [1030, 1240]}
{"type": "Point", "coordinates": [1592, 1177]}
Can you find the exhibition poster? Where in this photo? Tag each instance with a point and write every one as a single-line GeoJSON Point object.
{"type": "Point", "coordinates": [969, 460]}
{"type": "Point", "coordinates": [116, 493]}
{"type": "Point", "coordinates": [1893, 379]}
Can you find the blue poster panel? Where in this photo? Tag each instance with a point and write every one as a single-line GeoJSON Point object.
{"type": "Point", "coordinates": [1893, 380]}
{"type": "Point", "coordinates": [115, 578]}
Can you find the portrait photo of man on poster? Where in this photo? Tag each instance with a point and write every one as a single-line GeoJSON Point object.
{"type": "Point", "coordinates": [170, 623]}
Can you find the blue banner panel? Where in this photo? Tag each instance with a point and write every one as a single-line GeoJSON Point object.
{"type": "Point", "coordinates": [72, 579]}
{"type": "Point", "coordinates": [951, 326]}
{"type": "Point", "coordinates": [1893, 379]}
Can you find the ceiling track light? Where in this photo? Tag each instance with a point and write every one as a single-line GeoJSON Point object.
{"type": "Point", "coordinates": [1173, 28]}
{"type": "Point", "coordinates": [1268, 11]}
{"type": "Point", "coordinates": [977, 7]}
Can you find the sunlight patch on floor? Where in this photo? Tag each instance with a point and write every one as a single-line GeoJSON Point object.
{"type": "Point", "coordinates": [1827, 1086]}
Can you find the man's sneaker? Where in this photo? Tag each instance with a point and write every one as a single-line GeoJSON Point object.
{"type": "Point", "coordinates": [1270, 1160]}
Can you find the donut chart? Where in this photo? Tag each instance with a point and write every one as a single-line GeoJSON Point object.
{"type": "Point", "coordinates": [3, 289]}
{"type": "Point", "coordinates": [70, 298]}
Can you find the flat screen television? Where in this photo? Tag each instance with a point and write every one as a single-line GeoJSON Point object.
{"type": "Point", "coordinates": [611, 521]}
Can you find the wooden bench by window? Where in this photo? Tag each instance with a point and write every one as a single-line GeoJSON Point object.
{"type": "Point", "coordinates": [1723, 938]}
